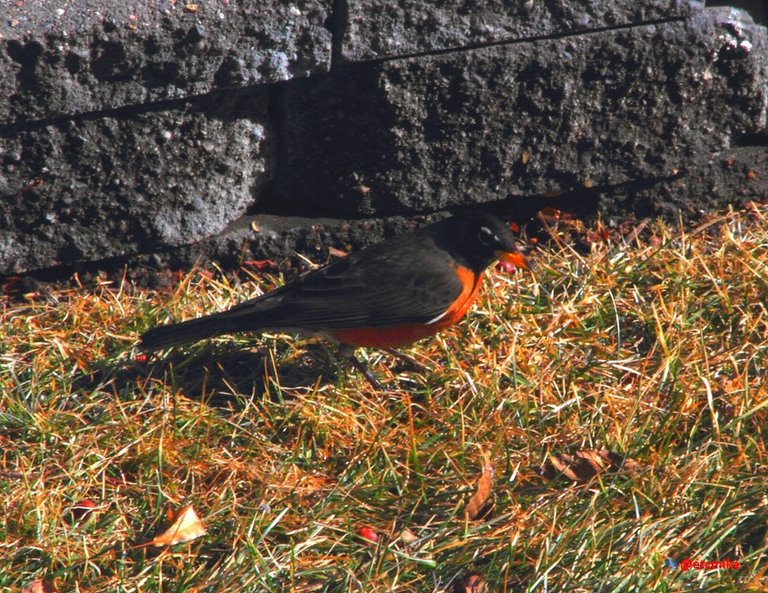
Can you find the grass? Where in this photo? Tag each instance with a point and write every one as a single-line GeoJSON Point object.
{"type": "Point", "coordinates": [653, 345]}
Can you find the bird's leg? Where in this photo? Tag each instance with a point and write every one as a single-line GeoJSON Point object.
{"type": "Point", "coordinates": [409, 360]}
{"type": "Point", "coordinates": [349, 353]}
{"type": "Point", "coordinates": [369, 376]}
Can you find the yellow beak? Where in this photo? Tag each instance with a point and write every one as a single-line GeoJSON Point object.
{"type": "Point", "coordinates": [515, 258]}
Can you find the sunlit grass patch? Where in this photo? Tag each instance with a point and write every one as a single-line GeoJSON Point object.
{"type": "Point", "coordinates": [652, 346]}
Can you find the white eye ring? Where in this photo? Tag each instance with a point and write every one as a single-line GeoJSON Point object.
{"type": "Point", "coordinates": [490, 234]}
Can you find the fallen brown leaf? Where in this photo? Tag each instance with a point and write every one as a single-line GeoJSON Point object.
{"type": "Point", "coordinates": [478, 505]}
{"type": "Point", "coordinates": [260, 264]}
{"type": "Point", "coordinates": [40, 586]}
{"type": "Point", "coordinates": [337, 253]}
{"type": "Point", "coordinates": [472, 582]}
{"type": "Point", "coordinates": [186, 527]}
{"type": "Point", "coordinates": [586, 464]}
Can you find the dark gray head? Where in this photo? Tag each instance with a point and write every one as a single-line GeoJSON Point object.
{"type": "Point", "coordinates": [477, 238]}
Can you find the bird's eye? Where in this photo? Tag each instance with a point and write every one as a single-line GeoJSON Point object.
{"type": "Point", "coordinates": [487, 236]}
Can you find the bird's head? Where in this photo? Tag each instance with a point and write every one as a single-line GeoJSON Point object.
{"type": "Point", "coordinates": [487, 237]}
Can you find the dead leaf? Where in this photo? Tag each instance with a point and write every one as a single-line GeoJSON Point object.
{"type": "Point", "coordinates": [479, 505]}
{"type": "Point", "coordinates": [408, 536]}
{"type": "Point", "coordinates": [550, 213]}
{"type": "Point", "coordinates": [260, 264]}
{"type": "Point", "coordinates": [592, 237]}
{"type": "Point", "coordinates": [586, 464]}
{"type": "Point", "coordinates": [186, 527]}
{"type": "Point", "coordinates": [40, 586]}
{"type": "Point", "coordinates": [338, 253]}
{"type": "Point", "coordinates": [471, 583]}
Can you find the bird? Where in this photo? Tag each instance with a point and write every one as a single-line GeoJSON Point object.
{"type": "Point", "coordinates": [385, 296]}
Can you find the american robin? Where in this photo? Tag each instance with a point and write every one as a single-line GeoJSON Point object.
{"type": "Point", "coordinates": [385, 296]}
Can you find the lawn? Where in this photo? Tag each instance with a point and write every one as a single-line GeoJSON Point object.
{"type": "Point", "coordinates": [652, 344]}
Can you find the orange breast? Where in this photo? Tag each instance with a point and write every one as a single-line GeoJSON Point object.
{"type": "Point", "coordinates": [402, 334]}
{"type": "Point", "coordinates": [470, 283]}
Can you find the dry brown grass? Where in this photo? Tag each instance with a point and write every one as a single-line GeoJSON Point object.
{"type": "Point", "coordinates": [654, 348]}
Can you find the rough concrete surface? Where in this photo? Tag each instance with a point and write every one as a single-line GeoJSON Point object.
{"type": "Point", "coordinates": [400, 27]}
{"type": "Point", "coordinates": [134, 128]}
{"type": "Point", "coordinates": [512, 121]}
{"type": "Point", "coordinates": [77, 56]}
{"type": "Point", "coordinates": [96, 188]}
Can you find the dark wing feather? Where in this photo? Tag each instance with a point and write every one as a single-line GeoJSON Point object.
{"type": "Point", "coordinates": [376, 287]}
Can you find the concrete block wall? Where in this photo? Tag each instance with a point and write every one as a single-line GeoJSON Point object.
{"type": "Point", "coordinates": [264, 126]}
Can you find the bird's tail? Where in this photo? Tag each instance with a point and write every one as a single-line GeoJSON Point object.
{"type": "Point", "coordinates": [193, 330]}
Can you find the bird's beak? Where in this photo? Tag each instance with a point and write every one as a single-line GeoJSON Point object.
{"type": "Point", "coordinates": [515, 258]}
